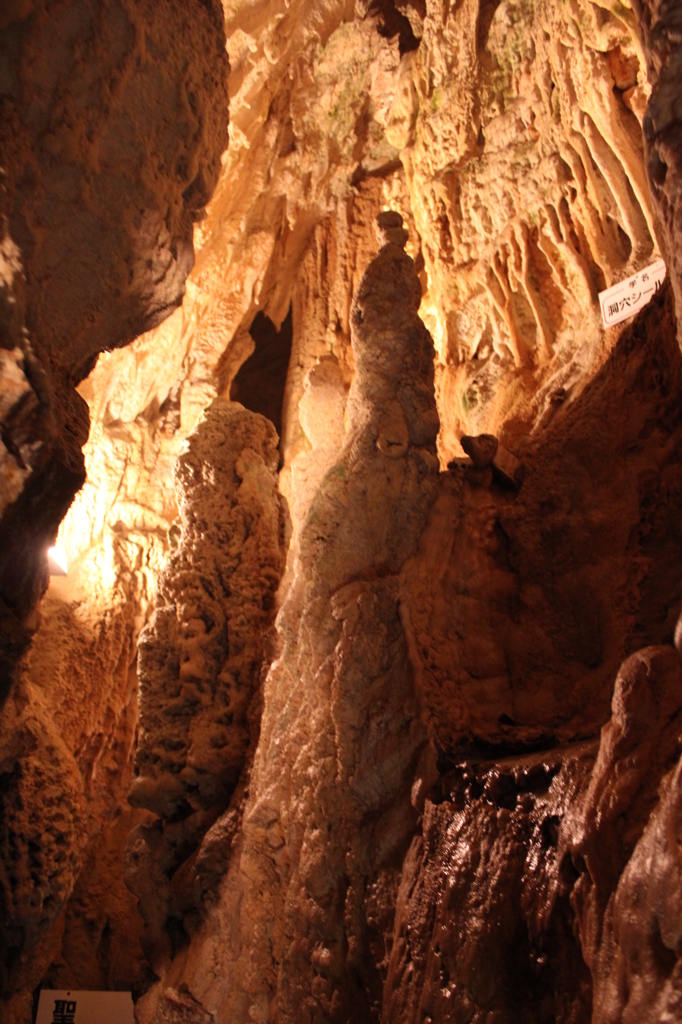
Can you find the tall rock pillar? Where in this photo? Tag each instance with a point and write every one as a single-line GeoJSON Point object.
{"type": "Point", "coordinates": [311, 891]}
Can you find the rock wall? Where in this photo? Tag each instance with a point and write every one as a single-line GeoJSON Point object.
{"type": "Point", "coordinates": [202, 649]}
{"type": "Point", "coordinates": [200, 662]}
{"type": "Point", "coordinates": [428, 828]}
{"type": "Point", "coordinates": [511, 895]}
{"type": "Point", "coordinates": [484, 924]}
{"type": "Point", "coordinates": [328, 808]}
{"type": "Point", "coordinates": [334, 114]}
{"type": "Point", "coordinates": [535, 889]}
{"type": "Point", "coordinates": [68, 734]}
{"type": "Point", "coordinates": [519, 126]}
{"type": "Point", "coordinates": [110, 143]}
{"type": "Point", "coordinates": [421, 820]}
{"type": "Point", "coordinates": [659, 27]}
{"type": "Point", "coordinates": [113, 120]}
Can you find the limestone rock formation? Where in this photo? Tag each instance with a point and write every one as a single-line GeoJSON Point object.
{"type": "Point", "coordinates": [629, 927]}
{"type": "Point", "coordinates": [67, 735]}
{"type": "Point", "coordinates": [335, 116]}
{"type": "Point", "coordinates": [481, 450]}
{"type": "Point", "coordinates": [200, 657]}
{"type": "Point", "coordinates": [515, 259]}
{"type": "Point", "coordinates": [520, 847]}
{"type": "Point", "coordinates": [113, 122]}
{"type": "Point", "coordinates": [447, 649]}
{"type": "Point", "coordinates": [112, 126]}
{"type": "Point", "coordinates": [484, 924]}
{"type": "Point", "coordinates": [526, 838]}
{"type": "Point", "coordinates": [329, 808]}
{"type": "Point", "coordinates": [446, 785]}
{"type": "Point", "coordinates": [522, 605]}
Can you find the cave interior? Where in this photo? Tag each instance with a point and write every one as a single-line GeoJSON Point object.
{"type": "Point", "coordinates": [341, 509]}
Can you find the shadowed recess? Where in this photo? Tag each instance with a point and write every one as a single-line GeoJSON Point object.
{"type": "Point", "coordinates": [259, 385]}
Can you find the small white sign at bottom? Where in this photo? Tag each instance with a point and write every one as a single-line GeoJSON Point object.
{"type": "Point", "coordinates": [78, 1007]}
{"type": "Point", "coordinates": [626, 298]}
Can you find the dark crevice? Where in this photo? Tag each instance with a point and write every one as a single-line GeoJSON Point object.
{"type": "Point", "coordinates": [393, 22]}
{"type": "Point", "coordinates": [260, 382]}
{"type": "Point", "coordinates": [360, 173]}
{"type": "Point", "coordinates": [486, 14]}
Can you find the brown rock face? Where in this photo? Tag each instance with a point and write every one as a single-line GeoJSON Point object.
{"type": "Point", "coordinates": [427, 829]}
{"type": "Point", "coordinates": [514, 258]}
{"type": "Point", "coordinates": [113, 118]}
{"type": "Point", "coordinates": [424, 765]}
{"type": "Point", "coordinates": [530, 870]}
{"type": "Point", "coordinates": [660, 27]}
{"type": "Point", "coordinates": [629, 928]}
{"type": "Point", "coordinates": [328, 810]}
{"type": "Point", "coordinates": [457, 677]}
{"type": "Point", "coordinates": [67, 735]}
{"type": "Point", "coordinates": [199, 658]}
{"type": "Point", "coordinates": [484, 926]}
{"type": "Point", "coordinates": [110, 140]}
{"type": "Point", "coordinates": [199, 665]}
{"type": "Point", "coordinates": [523, 604]}
{"type": "Point", "coordinates": [515, 884]}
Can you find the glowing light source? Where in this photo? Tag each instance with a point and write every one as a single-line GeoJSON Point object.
{"type": "Point", "coordinates": [56, 561]}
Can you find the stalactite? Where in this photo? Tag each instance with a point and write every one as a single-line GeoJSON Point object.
{"type": "Point", "coordinates": [520, 243]}
{"type": "Point", "coordinates": [501, 293]}
{"type": "Point", "coordinates": [354, 815]}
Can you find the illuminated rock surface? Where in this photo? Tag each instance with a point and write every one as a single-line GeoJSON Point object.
{"type": "Point", "coordinates": [110, 142]}
{"type": "Point", "coordinates": [328, 809]}
{"type": "Point", "coordinates": [200, 661]}
{"type": "Point", "coordinates": [113, 120]}
{"type": "Point", "coordinates": [446, 785]}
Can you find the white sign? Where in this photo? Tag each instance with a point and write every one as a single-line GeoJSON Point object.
{"type": "Point", "coordinates": [623, 300]}
{"type": "Point", "coordinates": [76, 1007]}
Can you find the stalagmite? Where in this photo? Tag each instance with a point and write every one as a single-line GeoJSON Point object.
{"type": "Point", "coordinates": [321, 415]}
{"type": "Point", "coordinates": [341, 726]}
{"type": "Point", "coordinates": [329, 807]}
{"type": "Point", "coordinates": [201, 656]}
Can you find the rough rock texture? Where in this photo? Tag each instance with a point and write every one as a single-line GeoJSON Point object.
{"type": "Point", "coordinates": [560, 855]}
{"type": "Point", "coordinates": [625, 897]}
{"type": "Point", "coordinates": [660, 25]}
{"type": "Point", "coordinates": [328, 810]}
{"type": "Point", "coordinates": [200, 660]}
{"type": "Point", "coordinates": [484, 927]}
{"type": "Point", "coordinates": [531, 870]}
{"type": "Point", "coordinates": [523, 604]}
{"type": "Point", "coordinates": [290, 226]}
{"type": "Point", "coordinates": [446, 652]}
{"type": "Point", "coordinates": [113, 119]}
{"type": "Point", "coordinates": [67, 736]}
{"type": "Point", "coordinates": [519, 129]}
{"type": "Point", "coordinates": [429, 827]}
{"type": "Point", "coordinates": [334, 116]}
{"type": "Point", "coordinates": [526, 893]}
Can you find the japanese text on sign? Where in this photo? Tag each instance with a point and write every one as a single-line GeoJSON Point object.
{"type": "Point", "coordinates": [80, 1007]}
{"type": "Point", "coordinates": [64, 1010]}
{"type": "Point", "coordinates": [629, 296]}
